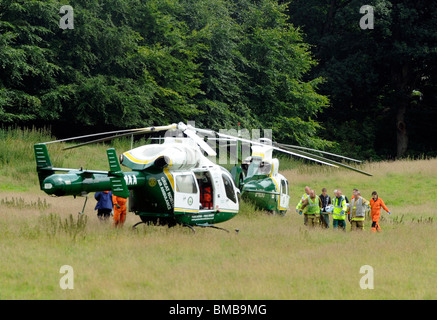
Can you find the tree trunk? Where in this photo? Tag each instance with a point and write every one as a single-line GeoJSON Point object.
{"type": "Point", "coordinates": [401, 128]}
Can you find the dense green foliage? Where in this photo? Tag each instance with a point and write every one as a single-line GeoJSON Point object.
{"type": "Point", "coordinates": [262, 63]}
{"type": "Point", "coordinates": [134, 63]}
{"type": "Point", "coordinates": [381, 82]}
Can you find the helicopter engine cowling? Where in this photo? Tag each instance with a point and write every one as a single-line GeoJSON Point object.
{"type": "Point", "coordinates": [175, 156]}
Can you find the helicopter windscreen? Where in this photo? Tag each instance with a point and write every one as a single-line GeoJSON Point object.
{"type": "Point", "coordinates": [259, 167]}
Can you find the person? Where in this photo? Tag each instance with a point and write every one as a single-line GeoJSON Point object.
{"type": "Point", "coordinates": [357, 211]}
{"type": "Point", "coordinates": [119, 210]}
{"type": "Point", "coordinates": [376, 203]}
{"type": "Point", "coordinates": [299, 205]}
{"type": "Point", "coordinates": [205, 194]}
{"type": "Point", "coordinates": [324, 215]}
{"type": "Point", "coordinates": [104, 204]}
{"type": "Point", "coordinates": [354, 191]}
{"type": "Point", "coordinates": [339, 212]}
{"type": "Point", "coordinates": [314, 205]}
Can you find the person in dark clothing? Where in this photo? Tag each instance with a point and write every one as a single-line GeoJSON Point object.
{"type": "Point", "coordinates": [324, 214]}
{"type": "Point", "coordinates": [104, 205]}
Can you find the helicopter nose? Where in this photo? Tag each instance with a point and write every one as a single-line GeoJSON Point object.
{"type": "Point", "coordinates": [54, 185]}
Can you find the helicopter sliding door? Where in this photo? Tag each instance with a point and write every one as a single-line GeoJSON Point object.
{"type": "Point", "coordinates": [186, 198]}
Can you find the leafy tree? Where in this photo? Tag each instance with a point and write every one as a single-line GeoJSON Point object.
{"type": "Point", "coordinates": [129, 63]}
{"type": "Point", "coordinates": [371, 75]}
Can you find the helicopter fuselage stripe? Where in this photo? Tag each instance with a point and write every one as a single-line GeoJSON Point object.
{"type": "Point", "coordinates": [169, 177]}
{"type": "Point", "coordinates": [185, 210]}
{"type": "Point", "coordinates": [131, 158]}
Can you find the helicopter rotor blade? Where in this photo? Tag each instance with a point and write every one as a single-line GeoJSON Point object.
{"type": "Point", "coordinates": [282, 145]}
{"type": "Point", "coordinates": [331, 161]}
{"type": "Point", "coordinates": [101, 140]}
{"type": "Point", "coordinates": [130, 132]}
{"type": "Point", "coordinates": [305, 155]}
{"type": "Point", "coordinates": [190, 131]}
{"type": "Point", "coordinates": [93, 135]}
{"type": "Point", "coordinates": [277, 149]}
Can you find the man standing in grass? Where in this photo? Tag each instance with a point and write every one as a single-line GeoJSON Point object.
{"type": "Point", "coordinates": [376, 204]}
{"type": "Point", "coordinates": [104, 205]}
{"type": "Point", "coordinates": [339, 212]}
{"type": "Point", "coordinates": [314, 205]}
{"type": "Point", "coordinates": [119, 210]}
{"type": "Point", "coordinates": [357, 211]}
{"type": "Point", "coordinates": [326, 201]}
{"type": "Point", "coordinates": [299, 205]}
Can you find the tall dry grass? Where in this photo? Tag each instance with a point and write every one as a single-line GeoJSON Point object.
{"type": "Point", "coordinates": [271, 257]}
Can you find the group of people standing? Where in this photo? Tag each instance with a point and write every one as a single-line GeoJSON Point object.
{"type": "Point", "coordinates": [108, 203]}
{"type": "Point", "coordinates": [316, 209]}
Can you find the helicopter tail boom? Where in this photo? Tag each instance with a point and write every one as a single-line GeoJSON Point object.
{"type": "Point", "coordinates": [78, 182]}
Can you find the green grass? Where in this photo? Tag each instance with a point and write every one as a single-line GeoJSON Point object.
{"type": "Point", "coordinates": [272, 257]}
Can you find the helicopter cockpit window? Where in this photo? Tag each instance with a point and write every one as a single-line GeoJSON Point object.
{"type": "Point", "coordinates": [253, 167]}
{"type": "Point", "coordinates": [258, 167]}
{"type": "Point", "coordinates": [186, 184]}
{"type": "Point", "coordinates": [264, 168]}
{"type": "Point", "coordinates": [229, 188]}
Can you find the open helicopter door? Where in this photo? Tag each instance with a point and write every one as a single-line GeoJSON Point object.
{"type": "Point", "coordinates": [186, 197]}
{"type": "Point", "coordinates": [284, 197]}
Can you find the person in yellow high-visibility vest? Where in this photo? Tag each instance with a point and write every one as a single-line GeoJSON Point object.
{"type": "Point", "coordinates": [339, 212]}
{"type": "Point", "coordinates": [357, 211]}
{"type": "Point", "coordinates": [313, 204]}
{"type": "Point", "coordinates": [299, 205]}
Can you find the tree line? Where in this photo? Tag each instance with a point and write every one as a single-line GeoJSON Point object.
{"type": "Point", "coordinates": [304, 69]}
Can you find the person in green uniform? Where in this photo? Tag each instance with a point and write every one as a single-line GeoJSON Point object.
{"type": "Point", "coordinates": [339, 212]}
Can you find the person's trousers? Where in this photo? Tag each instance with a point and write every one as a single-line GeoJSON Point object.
{"type": "Point", "coordinates": [375, 226]}
{"type": "Point", "coordinates": [339, 224]}
{"type": "Point", "coordinates": [119, 217]}
{"type": "Point", "coordinates": [357, 225]}
{"type": "Point", "coordinates": [324, 220]}
{"type": "Point", "coordinates": [311, 220]}
{"type": "Point", "coordinates": [103, 214]}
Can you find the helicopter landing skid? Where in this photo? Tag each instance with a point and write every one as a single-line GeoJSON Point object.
{"type": "Point", "coordinates": [136, 224]}
{"type": "Point", "coordinates": [189, 227]}
{"type": "Point", "coordinates": [212, 226]}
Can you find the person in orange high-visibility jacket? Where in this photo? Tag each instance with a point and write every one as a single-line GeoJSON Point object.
{"type": "Point", "coordinates": [376, 204]}
{"type": "Point", "coordinates": [119, 210]}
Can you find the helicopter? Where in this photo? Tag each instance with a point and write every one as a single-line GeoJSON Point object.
{"type": "Point", "coordinates": [175, 183]}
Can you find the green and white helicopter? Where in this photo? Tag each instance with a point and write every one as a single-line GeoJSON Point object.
{"type": "Point", "coordinates": [175, 182]}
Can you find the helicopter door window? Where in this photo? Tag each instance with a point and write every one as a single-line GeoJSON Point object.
{"type": "Point", "coordinates": [284, 187]}
{"type": "Point", "coordinates": [186, 184]}
{"type": "Point", "coordinates": [229, 188]}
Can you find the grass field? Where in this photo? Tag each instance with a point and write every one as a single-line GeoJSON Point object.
{"type": "Point", "coordinates": [271, 257]}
